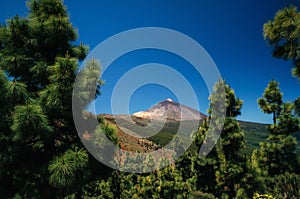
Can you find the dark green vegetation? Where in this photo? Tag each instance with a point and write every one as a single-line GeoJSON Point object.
{"type": "Point", "coordinates": [42, 156]}
{"type": "Point", "coordinates": [255, 133]}
{"type": "Point", "coordinates": [283, 35]}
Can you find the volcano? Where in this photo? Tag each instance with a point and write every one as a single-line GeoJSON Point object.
{"type": "Point", "coordinates": [170, 110]}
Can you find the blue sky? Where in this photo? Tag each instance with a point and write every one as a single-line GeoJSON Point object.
{"type": "Point", "coordinates": [230, 31]}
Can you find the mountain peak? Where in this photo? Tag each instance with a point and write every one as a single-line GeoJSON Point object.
{"type": "Point", "coordinates": [169, 100]}
{"type": "Point", "coordinates": [169, 109]}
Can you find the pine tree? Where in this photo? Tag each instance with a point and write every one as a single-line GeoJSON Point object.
{"type": "Point", "coordinates": [276, 156]}
{"type": "Point", "coordinates": [272, 100]}
{"type": "Point", "coordinates": [230, 150]}
{"type": "Point", "coordinates": [42, 155]}
{"type": "Point", "coordinates": [283, 35]}
{"type": "Point", "coordinates": [204, 168]}
{"type": "Point", "coordinates": [225, 170]}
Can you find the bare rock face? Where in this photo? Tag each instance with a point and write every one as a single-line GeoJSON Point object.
{"type": "Point", "coordinates": [171, 110]}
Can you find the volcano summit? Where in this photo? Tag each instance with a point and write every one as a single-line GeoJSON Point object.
{"type": "Point", "coordinates": [171, 110]}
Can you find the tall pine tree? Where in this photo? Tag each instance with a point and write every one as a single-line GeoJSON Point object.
{"type": "Point", "coordinates": [276, 157]}
{"type": "Point", "coordinates": [225, 170]}
{"type": "Point", "coordinates": [271, 101]}
{"type": "Point", "coordinates": [41, 154]}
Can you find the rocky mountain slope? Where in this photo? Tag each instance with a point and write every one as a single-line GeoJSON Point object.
{"type": "Point", "coordinates": [171, 110]}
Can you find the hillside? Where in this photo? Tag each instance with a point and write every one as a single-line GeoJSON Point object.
{"type": "Point", "coordinates": [156, 127]}
{"type": "Point", "coordinates": [254, 133]}
{"type": "Point", "coordinates": [128, 142]}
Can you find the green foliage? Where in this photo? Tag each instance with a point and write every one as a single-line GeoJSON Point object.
{"type": "Point", "coordinates": [65, 169]}
{"type": "Point", "coordinates": [278, 153]}
{"type": "Point", "coordinates": [276, 156]}
{"type": "Point", "coordinates": [164, 183]}
{"type": "Point", "coordinates": [288, 122]}
{"type": "Point", "coordinates": [29, 122]}
{"type": "Point", "coordinates": [38, 66]}
{"type": "Point", "coordinates": [283, 35]}
{"type": "Point", "coordinates": [230, 151]}
{"type": "Point", "coordinates": [99, 138]}
{"type": "Point", "coordinates": [204, 170]}
{"type": "Point", "coordinates": [225, 170]}
{"type": "Point", "coordinates": [262, 196]}
{"type": "Point", "coordinates": [16, 91]}
{"type": "Point", "coordinates": [276, 160]}
{"type": "Point", "coordinates": [101, 189]}
{"type": "Point", "coordinates": [233, 104]}
{"type": "Point", "coordinates": [201, 195]}
{"type": "Point", "coordinates": [57, 95]}
{"type": "Point", "coordinates": [217, 105]}
{"type": "Point", "coordinates": [110, 133]}
{"type": "Point", "coordinates": [88, 83]}
{"type": "Point", "coordinates": [232, 139]}
{"type": "Point", "coordinates": [287, 185]}
{"type": "Point", "coordinates": [272, 100]}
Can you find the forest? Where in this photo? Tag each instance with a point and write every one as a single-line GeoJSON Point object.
{"type": "Point", "coordinates": [42, 155]}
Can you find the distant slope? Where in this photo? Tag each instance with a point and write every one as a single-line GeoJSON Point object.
{"type": "Point", "coordinates": [257, 132]}
{"type": "Point", "coordinates": [254, 133]}
{"type": "Point", "coordinates": [128, 142]}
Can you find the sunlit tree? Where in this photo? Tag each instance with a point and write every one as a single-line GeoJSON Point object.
{"type": "Point", "coordinates": [271, 101]}
{"type": "Point", "coordinates": [276, 157]}
{"type": "Point", "coordinates": [283, 33]}
{"type": "Point", "coordinates": [225, 170]}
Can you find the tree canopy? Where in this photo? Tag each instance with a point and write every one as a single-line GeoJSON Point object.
{"type": "Point", "coordinates": [41, 154]}
{"type": "Point", "coordinates": [283, 33]}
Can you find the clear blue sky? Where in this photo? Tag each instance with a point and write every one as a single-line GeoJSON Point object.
{"type": "Point", "coordinates": [230, 31]}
